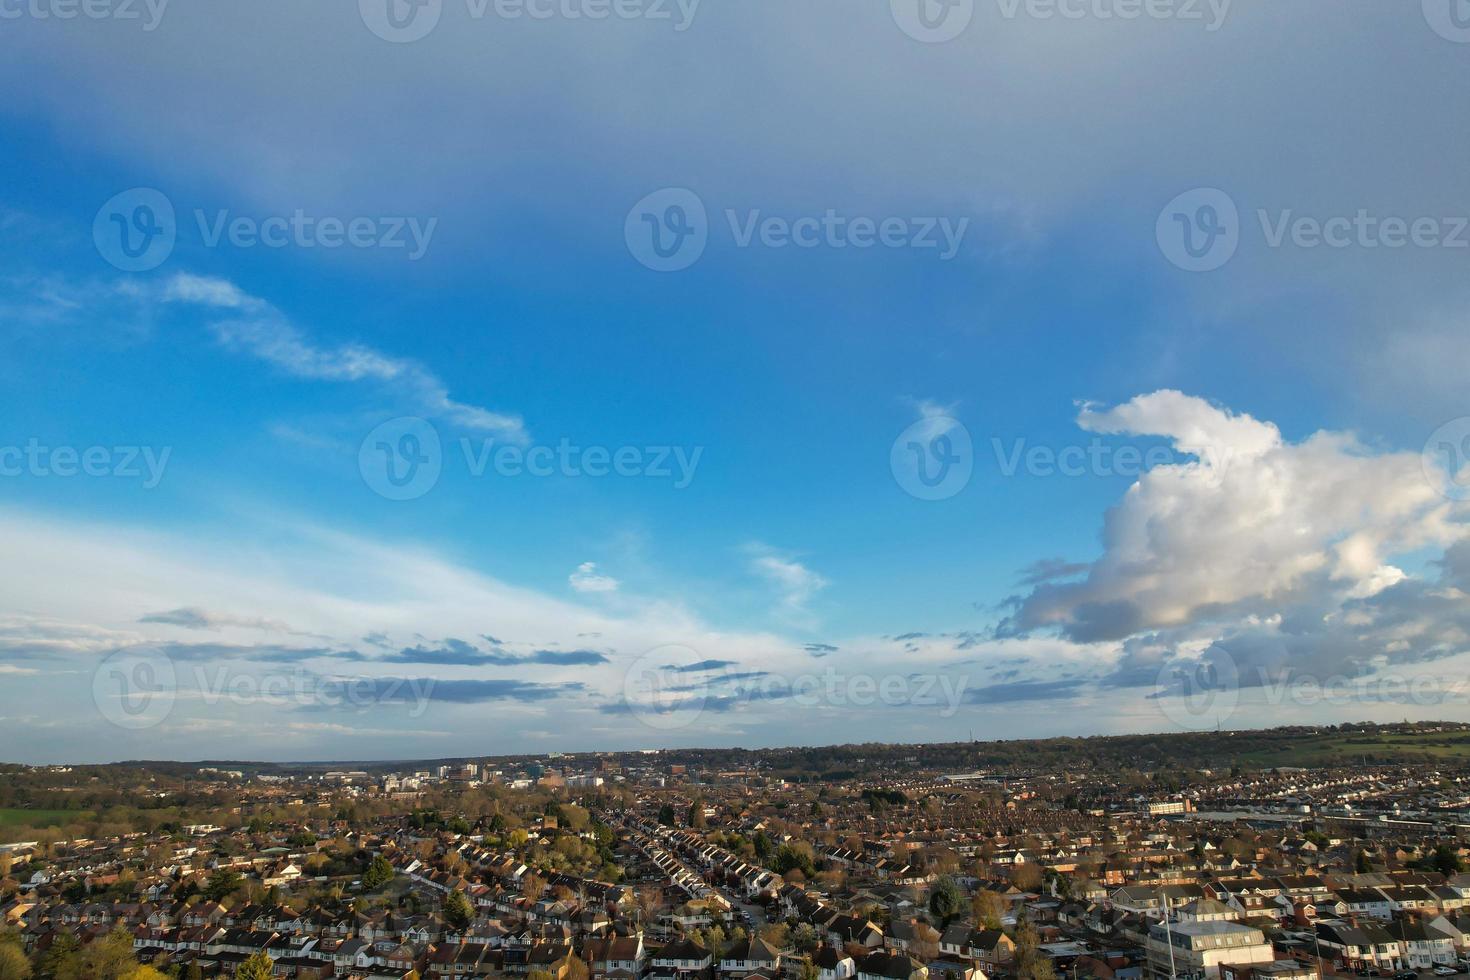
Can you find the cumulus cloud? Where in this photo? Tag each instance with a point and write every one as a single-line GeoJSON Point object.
{"type": "Point", "coordinates": [1246, 523]}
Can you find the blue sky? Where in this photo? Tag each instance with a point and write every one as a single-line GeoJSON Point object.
{"type": "Point", "coordinates": [1283, 528]}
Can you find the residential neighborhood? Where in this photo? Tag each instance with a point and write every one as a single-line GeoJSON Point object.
{"type": "Point", "coordinates": [638, 867]}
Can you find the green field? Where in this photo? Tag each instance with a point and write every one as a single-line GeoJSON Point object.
{"type": "Point", "coordinates": [15, 817]}
{"type": "Point", "coordinates": [1338, 749]}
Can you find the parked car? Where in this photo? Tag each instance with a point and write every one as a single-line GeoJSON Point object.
{"type": "Point", "coordinates": [1444, 971]}
{"type": "Point", "coordinates": [1406, 975]}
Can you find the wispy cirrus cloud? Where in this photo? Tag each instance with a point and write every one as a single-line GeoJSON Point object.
{"type": "Point", "coordinates": [795, 583]}
{"type": "Point", "coordinates": [260, 330]}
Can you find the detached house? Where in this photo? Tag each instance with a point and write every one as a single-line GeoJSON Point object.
{"type": "Point", "coordinates": [754, 955]}
{"type": "Point", "coordinates": [616, 958]}
{"type": "Point", "coordinates": [891, 966]}
{"type": "Point", "coordinates": [833, 964]}
{"type": "Point", "coordinates": [682, 959]}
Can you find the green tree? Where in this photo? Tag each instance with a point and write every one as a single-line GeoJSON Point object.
{"type": "Point", "coordinates": [13, 963]}
{"type": "Point", "coordinates": [989, 907]}
{"type": "Point", "coordinates": [1031, 963]}
{"type": "Point", "coordinates": [791, 857]}
{"type": "Point", "coordinates": [257, 967]}
{"type": "Point", "coordinates": [576, 969]}
{"type": "Point", "coordinates": [458, 912]}
{"type": "Point", "coordinates": [145, 973]}
{"type": "Point", "coordinates": [221, 883]}
{"type": "Point", "coordinates": [946, 900]}
{"type": "Point", "coordinates": [807, 970]}
{"type": "Point", "coordinates": [378, 874]}
{"type": "Point", "coordinates": [109, 958]}
{"type": "Point", "coordinates": [63, 959]}
{"type": "Point", "coordinates": [1445, 860]}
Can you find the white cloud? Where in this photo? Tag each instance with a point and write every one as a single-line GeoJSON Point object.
{"type": "Point", "coordinates": [587, 579]}
{"type": "Point", "coordinates": [88, 588]}
{"type": "Point", "coordinates": [265, 333]}
{"type": "Point", "coordinates": [797, 584]}
{"type": "Point", "coordinates": [208, 290]}
{"type": "Point", "coordinates": [939, 418]}
{"type": "Point", "coordinates": [1249, 525]}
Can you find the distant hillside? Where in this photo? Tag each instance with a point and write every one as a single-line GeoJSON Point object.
{"type": "Point", "coordinates": [1446, 743]}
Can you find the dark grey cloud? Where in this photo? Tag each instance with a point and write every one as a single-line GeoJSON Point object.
{"type": "Point", "coordinates": [820, 650]}
{"type": "Point", "coordinates": [458, 653]}
{"type": "Point", "coordinates": [341, 692]}
{"type": "Point", "coordinates": [1049, 570]}
{"type": "Point", "coordinates": [723, 680]}
{"type": "Point", "coordinates": [450, 653]}
{"type": "Point", "coordinates": [195, 618]}
{"type": "Point", "coordinates": [1023, 691]}
{"type": "Point", "coordinates": [576, 658]}
{"type": "Point", "coordinates": [264, 653]}
{"type": "Point", "coordinates": [701, 666]}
